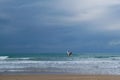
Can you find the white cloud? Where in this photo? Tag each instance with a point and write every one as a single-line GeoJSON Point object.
{"type": "Point", "coordinates": [88, 15]}
{"type": "Point", "coordinates": [97, 11]}
{"type": "Point", "coordinates": [86, 9]}
{"type": "Point", "coordinates": [113, 27]}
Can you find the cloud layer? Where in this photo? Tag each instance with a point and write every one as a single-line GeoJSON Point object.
{"type": "Point", "coordinates": [55, 25]}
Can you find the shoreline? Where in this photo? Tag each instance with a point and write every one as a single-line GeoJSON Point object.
{"type": "Point", "coordinates": [55, 73]}
{"type": "Point", "coordinates": [59, 77]}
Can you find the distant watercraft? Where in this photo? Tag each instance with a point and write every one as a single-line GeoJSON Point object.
{"type": "Point", "coordinates": [69, 53]}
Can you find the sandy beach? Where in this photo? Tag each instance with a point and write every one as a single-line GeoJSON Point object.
{"type": "Point", "coordinates": [58, 77]}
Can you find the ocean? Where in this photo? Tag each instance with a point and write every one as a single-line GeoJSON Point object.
{"type": "Point", "coordinates": [60, 63]}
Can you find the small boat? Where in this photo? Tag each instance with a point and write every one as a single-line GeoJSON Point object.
{"type": "Point", "coordinates": [69, 53]}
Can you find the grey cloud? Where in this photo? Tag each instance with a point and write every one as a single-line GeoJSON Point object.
{"type": "Point", "coordinates": [40, 25]}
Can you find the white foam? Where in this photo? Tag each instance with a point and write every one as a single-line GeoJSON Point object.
{"type": "Point", "coordinates": [24, 58]}
{"type": "Point", "coordinates": [82, 66]}
{"type": "Point", "coordinates": [3, 57]}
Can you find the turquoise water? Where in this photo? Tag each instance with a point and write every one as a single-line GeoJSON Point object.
{"type": "Point", "coordinates": [78, 63]}
{"type": "Point", "coordinates": [54, 56]}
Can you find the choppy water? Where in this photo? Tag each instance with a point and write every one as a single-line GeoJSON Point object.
{"type": "Point", "coordinates": [60, 63]}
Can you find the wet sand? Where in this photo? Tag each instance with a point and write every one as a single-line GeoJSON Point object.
{"type": "Point", "coordinates": [59, 77]}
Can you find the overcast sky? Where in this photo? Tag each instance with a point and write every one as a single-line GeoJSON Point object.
{"type": "Point", "coordinates": [58, 25]}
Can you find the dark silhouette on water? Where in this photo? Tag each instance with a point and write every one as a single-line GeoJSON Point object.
{"type": "Point", "coordinates": [69, 53]}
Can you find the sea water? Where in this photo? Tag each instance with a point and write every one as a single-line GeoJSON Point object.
{"type": "Point", "coordinates": [59, 63]}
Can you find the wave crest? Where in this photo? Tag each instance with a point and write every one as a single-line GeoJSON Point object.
{"type": "Point", "coordinates": [4, 57]}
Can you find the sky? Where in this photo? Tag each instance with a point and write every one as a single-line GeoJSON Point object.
{"type": "Point", "coordinates": [38, 26]}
